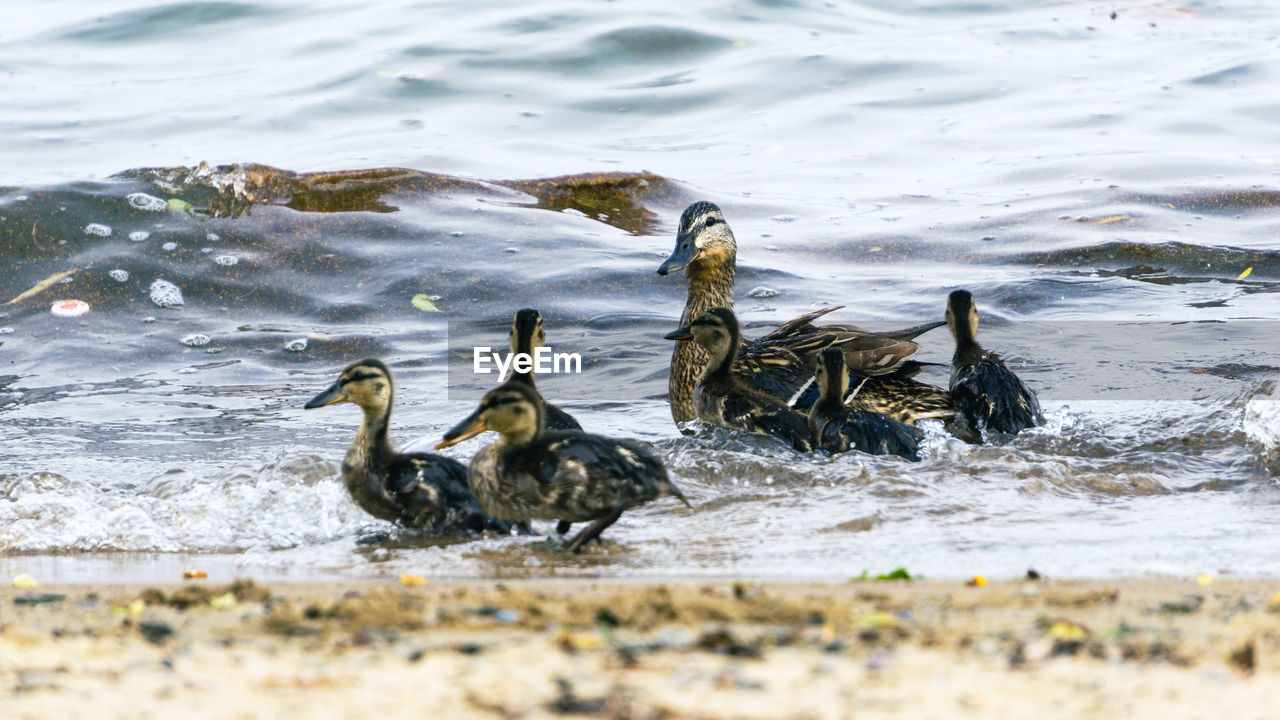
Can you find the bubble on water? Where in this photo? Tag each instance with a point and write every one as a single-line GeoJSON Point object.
{"type": "Point", "coordinates": [139, 235]}
{"type": "Point", "coordinates": [297, 346]}
{"type": "Point", "coordinates": [170, 246]}
{"type": "Point", "coordinates": [213, 237]}
{"type": "Point", "coordinates": [149, 319]}
{"type": "Point", "coordinates": [19, 198]}
{"type": "Point", "coordinates": [119, 275]}
{"type": "Point", "coordinates": [227, 260]}
{"type": "Point", "coordinates": [148, 203]}
{"type": "Point", "coordinates": [206, 251]}
{"type": "Point", "coordinates": [188, 371]}
{"type": "Point", "coordinates": [760, 291]}
{"type": "Point", "coordinates": [97, 229]}
{"type": "Point", "coordinates": [196, 340]}
{"type": "Point", "coordinates": [456, 233]}
{"type": "Point", "coordinates": [7, 331]}
{"type": "Point", "coordinates": [69, 308]}
{"type": "Point", "coordinates": [166, 294]}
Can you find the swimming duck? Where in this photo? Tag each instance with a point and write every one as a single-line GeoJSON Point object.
{"type": "Point", "coordinates": [565, 475]}
{"type": "Point", "coordinates": [527, 335]}
{"type": "Point", "coordinates": [837, 427]}
{"type": "Point", "coordinates": [723, 398]}
{"type": "Point", "coordinates": [422, 491]}
{"type": "Point", "coordinates": [986, 393]}
{"type": "Point", "coordinates": [707, 251]}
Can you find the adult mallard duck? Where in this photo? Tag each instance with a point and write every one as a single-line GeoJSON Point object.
{"type": "Point", "coordinates": [837, 427]}
{"type": "Point", "coordinates": [527, 335]}
{"type": "Point", "coordinates": [986, 393]}
{"type": "Point", "coordinates": [723, 398]}
{"type": "Point", "coordinates": [424, 492]}
{"type": "Point", "coordinates": [534, 473]}
{"type": "Point", "coordinates": [707, 252]}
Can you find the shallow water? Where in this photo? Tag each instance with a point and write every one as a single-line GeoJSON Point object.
{"type": "Point", "coordinates": [1100, 185]}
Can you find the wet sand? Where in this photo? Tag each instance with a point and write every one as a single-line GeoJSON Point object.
{"type": "Point", "coordinates": [879, 649]}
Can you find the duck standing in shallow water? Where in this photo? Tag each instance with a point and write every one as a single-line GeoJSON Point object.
{"type": "Point", "coordinates": [707, 252]}
{"type": "Point", "coordinates": [532, 473]}
{"type": "Point", "coordinates": [987, 395]}
{"type": "Point", "coordinates": [527, 335]}
{"type": "Point", "coordinates": [424, 492]}
{"type": "Point", "coordinates": [838, 427]}
{"type": "Point", "coordinates": [722, 398]}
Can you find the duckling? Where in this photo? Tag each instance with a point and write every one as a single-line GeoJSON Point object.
{"type": "Point", "coordinates": [527, 335]}
{"type": "Point", "coordinates": [725, 399]}
{"type": "Point", "coordinates": [425, 492]}
{"type": "Point", "coordinates": [837, 427]}
{"type": "Point", "coordinates": [987, 394]}
{"type": "Point", "coordinates": [565, 475]}
{"type": "Point", "coordinates": [707, 251]}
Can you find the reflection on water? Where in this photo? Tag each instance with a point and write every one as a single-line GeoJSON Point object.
{"type": "Point", "coordinates": [1105, 187]}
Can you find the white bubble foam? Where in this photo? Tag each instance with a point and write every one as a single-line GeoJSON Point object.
{"type": "Point", "coordinates": [97, 229]}
{"type": "Point", "coordinates": [196, 340]}
{"type": "Point", "coordinates": [1262, 419]}
{"type": "Point", "coordinates": [119, 275]}
{"type": "Point", "coordinates": [148, 203]}
{"type": "Point", "coordinates": [139, 235]}
{"type": "Point", "coordinates": [227, 260]}
{"type": "Point", "coordinates": [760, 291]}
{"type": "Point", "coordinates": [170, 246]}
{"type": "Point", "coordinates": [296, 345]}
{"type": "Point", "coordinates": [166, 294]}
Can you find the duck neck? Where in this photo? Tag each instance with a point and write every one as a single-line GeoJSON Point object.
{"type": "Point", "coordinates": [832, 392]}
{"type": "Point", "coordinates": [710, 285]}
{"type": "Point", "coordinates": [523, 346]}
{"type": "Point", "coordinates": [372, 446]}
{"type": "Point", "coordinates": [967, 347]}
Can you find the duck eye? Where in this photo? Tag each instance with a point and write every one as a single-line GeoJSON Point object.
{"type": "Point", "coordinates": [711, 221]}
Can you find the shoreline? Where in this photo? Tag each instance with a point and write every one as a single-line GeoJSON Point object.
{"type": "Point", "coordinates": [1134, 647]}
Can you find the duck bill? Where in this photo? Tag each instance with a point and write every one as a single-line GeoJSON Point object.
{"type": "Point", "coordinates": [683, 333]}
{"type": "Point", "coordinates": [332, 394]}
{"type": "Point", "coordinates": [465, 430]}
{"type": "Point", "coordinates": [685, 252]}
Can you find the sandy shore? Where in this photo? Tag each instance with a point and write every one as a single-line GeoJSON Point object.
{"type": "Point", "coordinates": [1163, 648]}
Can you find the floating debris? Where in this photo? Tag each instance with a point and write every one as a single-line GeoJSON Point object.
{"type": "Point", "coordinates": [147, 203]}
{"type": "Point", "coordinates": [24, 580]}
{"type": "Point", "coordinates": [179, 205]}
{"type": "Point", "coordinates": [425, 303]}
{"type": "Point", "coordinates": [412, 580]}
{"type": "Point", "coordinates": [139, 235]}
{"type": "Point", "coordinates": [97, 229]}
{"type": "Point", "coordinates": [298, 345]}
{"type": "Point", "coordinates": [119, 275]}
{"type": "Point", "coordinates": [196, 340]}
{"type": "Point", "coordinates": [1245, 274]}
{"type": "Point", "coordinates": [166, 294]}
{"type": "Point", "coordinates": [194, 574]}
{"type": "Point", "coordinates": [42, 285]}
{"type": "Point", "coordinates": [760, 291]}
{"type": "Point", "coordinates": [227, 260]}
{"type": "Point", "coordinates": [38, 598]}
{"type": "Point", "coordinates": [69, 308]}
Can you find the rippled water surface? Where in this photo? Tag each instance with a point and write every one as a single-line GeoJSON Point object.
{"type": "Point", "coordinates": [1106, 185]}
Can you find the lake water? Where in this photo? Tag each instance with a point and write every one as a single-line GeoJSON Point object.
{"type": "Point", "coordinates": [1106, 186]}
